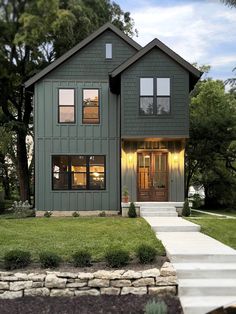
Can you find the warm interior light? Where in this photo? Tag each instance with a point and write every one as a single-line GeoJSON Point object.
{"type": "Point", "coordinates": [175, 157]}
{"type": "Point", "coordinates": [130, 157]}
{"type": "Point", "coordinates": [96, 174]}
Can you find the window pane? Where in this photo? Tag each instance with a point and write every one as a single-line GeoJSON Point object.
{"type": "Point", "coordinates": [90, 97]}
{"type": "Point", "coordinates": [163, 87]}
{"type": "Point", "coordinates": [78, 180]}
{"type": "Point", "coordinates": [96, 161]}
{"type": "Point", "coordinates": [96, 181]}
{"type": "Point", "coordinates": [66, 97]}
{"type": "Point", "coordinates": [146, 105]}
{"type": "Point", "coordinates": [91, 115]}
{"type": "Point", "coordinates": [163, 105]}
{"type": "Point", "coordinates": [78, 163]}
{"type": "Point", "coordinates": [66, 114]}
{"type": "Point", "coordinates": [60, 181]}
{"type": "Point", "coordinates": [146, 87]}
{"type": "Point", "coordinates": [60, 163]}
{"type": "Point", "coordinates": [108, 51]}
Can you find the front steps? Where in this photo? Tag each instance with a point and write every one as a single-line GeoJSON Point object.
{"type": "Point", "coordinates": [206, 268]}
{"type": "Point", "coordinates": [154, 209]}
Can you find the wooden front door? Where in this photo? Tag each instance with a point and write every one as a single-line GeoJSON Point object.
{"type": "Point", "coordinates": [152, 177]}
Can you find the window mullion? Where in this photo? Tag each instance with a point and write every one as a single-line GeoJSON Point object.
{"type": "Point", "coordinates": [69, 174]}
{"type": "Point", "coordinates": [155, 96]}
{"type": "Point", "coordinates": [87, 173]}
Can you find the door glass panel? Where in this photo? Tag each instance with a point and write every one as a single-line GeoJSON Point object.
{"type": "Point", "coordinates": [160, 171]}
{"type": "Point", "coordinates": [144, 171]}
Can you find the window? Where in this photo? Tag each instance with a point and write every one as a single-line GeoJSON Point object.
{"type": "Point", "coordinates": [90, 106]}
{"type": "Point", "coordinates": [66, 106]}
{"type": "Point", "coordinates": [154, 96]}
{"type": "Point", "coordinates": [108, 51]}
{"type": "Point", "coordinates": [78, 172]}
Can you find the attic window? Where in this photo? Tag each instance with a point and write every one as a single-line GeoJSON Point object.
{"type": "Point", "coordinates": [108, 51]}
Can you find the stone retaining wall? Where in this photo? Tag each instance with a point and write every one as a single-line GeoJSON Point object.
{"type": "Point", "coordinates": [116, 282]}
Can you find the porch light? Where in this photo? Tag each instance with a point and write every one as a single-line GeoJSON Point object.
{"type": "Point", "coordinates": [130, 157]}
{"type": "Point", "coordinates": [176, 157]}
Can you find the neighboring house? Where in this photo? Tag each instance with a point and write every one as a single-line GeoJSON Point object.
{"type": "Point", "coordinates": [109, 114]}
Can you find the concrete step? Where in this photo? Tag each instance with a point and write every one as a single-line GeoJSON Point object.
{"type": "Point", "coordinates": [204, 304]}
{"type": "Point", "coordinates": [158, 214]}
{"type": "Point", "coordinates": [205, 270]}
{"type": "Point", "coordinates": [202, 258]}
{"type": "Point", "coordinates": [175, 228]}
{"type": "Point", "coordinates": [209, 287]}
{"type": "Point", "coordinates": [155, 209]}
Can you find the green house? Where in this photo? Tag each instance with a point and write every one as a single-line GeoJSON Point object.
{"type": "Point", "coordinates": [108, 114]}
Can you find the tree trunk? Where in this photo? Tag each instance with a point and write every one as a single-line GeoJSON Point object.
{"type": "Point", "coordinates": [5, 177]}
{"type": "Point", "coordinates": [23, 170]}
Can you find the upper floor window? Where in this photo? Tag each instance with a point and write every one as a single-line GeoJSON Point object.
{"type": "Point", "coordinates": [79, 172]}
{"type": "Point", "coordinates": [90, 106]}
{"type": "Point", "coordinates": [154, 96]}
{"type": "Point", "coordinates": [108, 51]}
{"type": "Point", "coordinates": [66, 106]}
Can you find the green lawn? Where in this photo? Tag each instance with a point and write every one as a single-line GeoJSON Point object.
{"type": "Point", "coordinates": [223, 230]}
{"type": "Point", "coordinates": [66, 235]}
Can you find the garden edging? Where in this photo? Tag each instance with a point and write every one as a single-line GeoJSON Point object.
{"type": "Point", "coordinates": [115, 282]}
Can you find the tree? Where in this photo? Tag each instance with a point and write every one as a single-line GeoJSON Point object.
{"type": "Point", "coordinates": [33, 34]}
{"type": "Point", "coordinates": [231, 3]}
{"type": "Point", "coordinates": [211, 152]}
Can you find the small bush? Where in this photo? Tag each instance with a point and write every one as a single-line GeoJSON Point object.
{"type": "Point", "coordinates": [146, 254]}
{"type": "Point", "coordinates": [102, 214]}
{"type": "Point", "coordinates": [153, 307]}
{"type": "Point", "coordinates": [132, 211]}
{"type": "Point", "coordinates": [186, 209]}
{"type": "Point", "coordinates": [47, 214]}
{"type": "Point", "coordinates": [117, 258]}
{"type": "Point", "coordinates": [81, 258]}
{"type": "Point", "coordinates": [49, 260]}
{"type": "Point", "coordinates": [16, 259]}
{"type": "Point", "coordinates": [197, 201]}
{"type": "Point", "coordinates": [75, 214]}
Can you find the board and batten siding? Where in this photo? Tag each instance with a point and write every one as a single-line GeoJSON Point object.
{"type": "Point", "coordinates": [176, 124]}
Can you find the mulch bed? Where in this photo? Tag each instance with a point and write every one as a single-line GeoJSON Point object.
{"type": "Point", "coordinates": [127, 304]}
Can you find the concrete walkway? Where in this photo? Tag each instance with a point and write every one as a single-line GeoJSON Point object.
{"type": "Point", "coordinates": [213, 214]}
{"type": "Point", "coordinates": [206, 268]}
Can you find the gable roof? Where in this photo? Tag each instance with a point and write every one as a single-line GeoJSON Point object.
{"type": "Point", "coordinates": [195, 73]}
{"type": "Point", "coordinates": [75, 49]}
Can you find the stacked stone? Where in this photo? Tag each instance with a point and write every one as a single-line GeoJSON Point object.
{"type": "Point", "coordinates": [116, 282]}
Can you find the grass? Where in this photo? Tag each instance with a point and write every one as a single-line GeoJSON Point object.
{"type": "Point", "coordinates": [66, 235]}
{"type": "Point", "coordinates": [223, 230]}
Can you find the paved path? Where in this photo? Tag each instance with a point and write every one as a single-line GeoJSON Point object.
{"type": "Point", "coordinates": [213, 214]}
{"type": "Point", "coordinates": [206, 268]}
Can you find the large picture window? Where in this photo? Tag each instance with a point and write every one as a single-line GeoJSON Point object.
{"type": "Point", "coordinates": [78, 172]}
{"type": "Point", "coordinates": [66, 106]}
{"type": "Point", "coordinates": [90, 106]}
{"type": "Point", "coordinates": [154, 96]}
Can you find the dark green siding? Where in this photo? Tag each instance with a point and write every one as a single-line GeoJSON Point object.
{"type": "Point", "coordinates": [155, 64]}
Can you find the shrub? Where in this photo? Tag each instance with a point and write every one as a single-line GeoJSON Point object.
{"type": "Point", "coordinates": [146, 254]}
{"type": "Point", "coordinates": [186, 209]}
{"type": "Point", "coordinates": [102, 214]}
{"type": "Point", "coordinates": [49, 260]}
{"type": "Point", "coordinates": [16, 259]}
{"type": "Point", "coordinates": [22, 209]}
{"type": "Point", "coordinates": [153, 307]}
{"type": "Point", "coordinates": [197, 201]}
{"type": "Point", "coordinates": [117, 258]}
{"type": "Point", "coordinates": [47, 214]}
{"type": "Point", "coordinates": [75, 214]}
{"type": "Point", "coordinates": [132, 211]}
{"type": "Point", "coordinates": [81, 258]}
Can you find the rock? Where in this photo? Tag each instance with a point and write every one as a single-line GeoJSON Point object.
{"type": "Point", "coordinates": [162, 290]}
{"type": "Point", "coordinates": [20, 285]}
{"type": "Point", "coordinates": [67, 275]}
{"type": "Point", "coordinates": [100, 283]}
{"type": "Point", "coordinates": [9, 278]}
{"type": "Point", "coordinates": [166, 281]}
{"type": "Point", "coordinates": [120, 283]}
{"type": "Point", "coordinates": [87, 292]}
{"type": "Point", "coordinates": [36, 277]}
{"type": "Point", "coordinates": [5, 273]}
{"type": "Point", "coordinates": [21, 276]}
{"type": "Point", "coordinates": [4, 285]}
{"type": "Point", "coordinates": [36, 284]}
{"type": "Point", "coordinates": [168, 270]}
{"type": "Point", "coordinates": [131, 274]}
{"type": "Point", "coordinates": [104, 274]}
{"type": "Point", "coordinates": [134, 290]}
{"type": "Point", "coordinates": [37, 292]}
{"type": "Point", "coordinates": [85, 275]}
{"type": "Point", "coordinates": [143, 282]}
{"type": "Point", "coordinates": [154, 272]}
{"type": "Point", "coordinates": [77, 284]}
{"type": "Point", "coordinates": [110, 291]}
{"type": "Point", "coordinates": [11, 294]}
{"type": "Point", "coordinates": [52, 281]}
{"type": "Point", "coordinates": [62, 293]}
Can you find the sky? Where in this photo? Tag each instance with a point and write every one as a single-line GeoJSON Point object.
{"type": "Point", "coordinates": [202, 31]}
